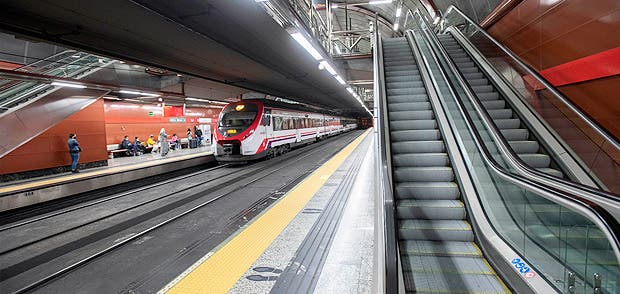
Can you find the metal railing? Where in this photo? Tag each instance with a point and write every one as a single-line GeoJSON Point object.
{"type": "Point", "coordinates": [387, 209]}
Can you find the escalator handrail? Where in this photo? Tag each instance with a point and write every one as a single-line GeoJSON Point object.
{"type": "Point", "coordinates": [514, 159]}
{"type": "Point", "coordinates": [601, 131]}
{"type": "Point", "coordinates": [391, 248]}
{"type": "Point", "coordinates": [565, 196]}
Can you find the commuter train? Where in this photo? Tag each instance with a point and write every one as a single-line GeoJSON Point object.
{"type": "Point", "coordinates": [256, 128]}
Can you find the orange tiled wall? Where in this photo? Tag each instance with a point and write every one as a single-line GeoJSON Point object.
{"type": "Point", "coordinates": [50, 148]}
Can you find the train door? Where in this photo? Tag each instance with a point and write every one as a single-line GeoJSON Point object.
{"type": "Point", "coordinates": [266, 122]}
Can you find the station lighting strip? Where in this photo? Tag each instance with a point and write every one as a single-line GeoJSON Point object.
{"type": "Point", "coordinates": [133, 92]}
{"type": "Point", "coordinates": [324, 64]}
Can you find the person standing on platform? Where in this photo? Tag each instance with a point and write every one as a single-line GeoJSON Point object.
{"type": "Point", "coordinates": [189, 134]}
{"type": "Point", "coordinates": [74, 151]}
{"type": "Point", "coordinates": [198, 133]}
{"type": "Point", "coordinates": [163, 141]}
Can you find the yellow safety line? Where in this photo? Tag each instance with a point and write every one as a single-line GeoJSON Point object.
{"type": "Point", "coordinates": [218, 273]}
{"type": "Point", "coordinates": [111, 170]}
{"type": "Point", "coordinates": [496, 276]}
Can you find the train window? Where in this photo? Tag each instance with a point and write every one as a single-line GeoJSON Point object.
{"type": "Point", "coordinates": [266, 120]}
{"type": "Point", "coordinates": [277, 123]}
{"type": "Point", "coordinates": [237, 119]}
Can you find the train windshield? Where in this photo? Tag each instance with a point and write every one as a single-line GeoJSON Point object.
{"type": "Point", "coordinates": [237, 118]}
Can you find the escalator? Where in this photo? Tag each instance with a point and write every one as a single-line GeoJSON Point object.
{"type": "Point", "coordinates": [437, 248]}
{"type": "Point", "coordinates": [67, 64]}
{"type": "Point", "coordinates": [512, 127]}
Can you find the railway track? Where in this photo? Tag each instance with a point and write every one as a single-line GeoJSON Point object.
{"type": "Point", "coordinates": [200, 196]}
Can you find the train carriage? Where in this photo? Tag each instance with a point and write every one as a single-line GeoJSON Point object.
{"type": "Point", "coordinates": [252, 129]}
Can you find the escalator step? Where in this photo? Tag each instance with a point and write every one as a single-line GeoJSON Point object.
{"type": "Point", "coordinates": [418, 147]}
{"type": "Point", "coordinates": [478, 82]}
{"type": "Point", "coordinates": [412, 124]}
{"type": "Point", "coordinates": [424, 174]}
{"type": "Point", "coordinates": [400, 67]}
{"type": "Point", "coordinates": [465, 64]}
{"type": "Point", "coordinates": [412, 115]}
{"type": "Point", "coordinates": [515, 134]}
{"type": "Point", "coordinates": [404, 78]}
{"type": "Point", "coordinates": [400, 73]}
{"type": "Point", "coordinates": [473, 76]}
{"type": "Point", "coordinates": [407, 91]}
{"type": "Point", "coordinates": [415, 135]}
{"type": "Point", "coordinates": [469, 70]}
{"type": "Point", "coordinates": [418, 124]}
{"type": "Point", "coordinates": [506, 123]}
{"type": "Point", "coordinates": [524, 147]}
{"type": "Point", "coordinates": [433, 283]}
{"type": "Point", "coordinates": [393, 107]}
{"type": "Point", "coordinates": [407, 98]}
{"type": "Point", "coordinates": [407, 84]}
{"type": "Point", "coordinates": [500, 113]}
{"type": "Point", "coordinates": [421, 159]}
{"type": "Point", "coordinates": [398, 62]}
{"type": "Point", "coordinates": [435, 230]}
{"type": "Point", "coordinates": [434, 248]}
{"type": "Point", "coordinates": [488, 96]}
{"type": "Point", "coordinates": [494, 104]}
{"type": "Point", "coordinates": [483, 88]}
{"type": "Point", "coordinates": [551, 171]}
{"type": "Point", "coordinates": [430, 209]}
{"type": "Point", "coordinates": [427, 190]}
{"type": "Point", "coordinates": [536, 160]}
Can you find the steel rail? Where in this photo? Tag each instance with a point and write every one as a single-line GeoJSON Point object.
{"type": "Point", "coordinates": [77, 264]}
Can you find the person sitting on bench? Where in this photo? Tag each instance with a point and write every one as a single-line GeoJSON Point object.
{"type": "Point", "coordinates": [126, 144]}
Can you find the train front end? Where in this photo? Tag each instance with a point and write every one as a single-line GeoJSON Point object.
{"type": "Point", "coordinates": [238, 138]}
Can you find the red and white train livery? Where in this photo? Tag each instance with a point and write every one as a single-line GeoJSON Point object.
{"type": "Point", "coordinates": [252, 129]}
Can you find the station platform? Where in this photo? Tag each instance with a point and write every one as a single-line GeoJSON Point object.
{"type": "Point", "coordinates": [17, 194]}
{"type": "Point", "coordinates": [318, 237]}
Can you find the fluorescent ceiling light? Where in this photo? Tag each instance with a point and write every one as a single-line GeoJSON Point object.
{"type": "Point", "coordinates": [138, 93]}
{"type": "Point", "coordinates": [261, 0]}
{"type": "Point", "coordinates": [69, 85]}
{"type": "Point", "coordinates": [129, 92]}
{"type": "Point", "coordinates": [133, 100]}
{"type": "Point", "coordinates": [350, 90]}
{"type": "Point", "coordinates": [304, 43]}
{"type": "Point", "coordinates": [111, 98]}
{"type": "Point", "coordinates": [196, 99]}
{"type": "Point", "coordinates": [396, 26]}
{"type": "Point", "coordinates": [375, 2]}
{"type": "Point", "coordinates": [399, 11]}
{"type": "Point", "coordinates": [340, 80]}
{"type": "Point", "coordinates": [328, 67]}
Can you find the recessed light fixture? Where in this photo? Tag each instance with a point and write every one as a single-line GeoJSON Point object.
{"type": "Point", "coordinates": [133, 92]}
{"type": "Point", "coordinates": [375, 2]}
{"type": "Point", "coordinates": [68, 85]}
{"type": "Point", "coordinates": [306, 45]}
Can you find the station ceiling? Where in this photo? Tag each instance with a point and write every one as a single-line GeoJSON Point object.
{"type": "Point", "coordinates": [231, 42]}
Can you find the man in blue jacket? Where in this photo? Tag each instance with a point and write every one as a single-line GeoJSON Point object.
{"type": "Point", "coordinates": [74, 151]}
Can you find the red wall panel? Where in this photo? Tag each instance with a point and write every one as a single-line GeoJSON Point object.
{"type": "Point", "coordinates": [548, 34]}
{"type": "Point", "coordinates": [50, 148]}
